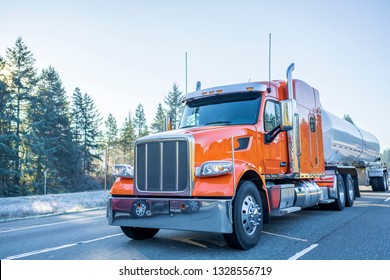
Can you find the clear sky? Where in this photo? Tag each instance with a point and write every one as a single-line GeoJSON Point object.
{"type": "Point", "coordinates": [128, 52]}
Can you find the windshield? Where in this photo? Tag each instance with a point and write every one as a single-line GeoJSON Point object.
{"type": "Point", "coordinates": [222, 110]}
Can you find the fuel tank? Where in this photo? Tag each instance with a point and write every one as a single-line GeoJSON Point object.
{"type": "Point", "coordinates": [345, 143]}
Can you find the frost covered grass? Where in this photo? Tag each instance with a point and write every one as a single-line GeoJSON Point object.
{"type": "Point", "coordinates": [26, 206]}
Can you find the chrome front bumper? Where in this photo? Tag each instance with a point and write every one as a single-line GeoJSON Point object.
{"type": "Point", "coordinates": [171, 213]}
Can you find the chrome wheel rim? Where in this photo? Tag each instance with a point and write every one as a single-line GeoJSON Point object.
{"type": "Point", "coordinates": [342, 194]}
{"type": "Point", "coordinates": [250, 215]}
{"type": "Point", "coordinates": [350, 190]}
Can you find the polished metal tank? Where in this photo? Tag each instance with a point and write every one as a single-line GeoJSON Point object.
{"type": "Point", "coordinates": [345, 143]}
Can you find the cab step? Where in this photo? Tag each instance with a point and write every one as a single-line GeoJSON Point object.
{"type": "Point", "coordinates": [326, 201]}
{"type": "Point", "coordinates": [285, 211]}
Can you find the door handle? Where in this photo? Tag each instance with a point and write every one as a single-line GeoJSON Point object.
{"type": "Point", "coordinates": [283, 164]}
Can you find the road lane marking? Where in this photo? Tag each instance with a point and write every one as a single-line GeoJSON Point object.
{"type": "Point", "coordinates": [189, 241]}
{"type": "Point", "coordinates": [52, 224]}
{"type": "Point", "coordinates": [32, 253]}
{"type": "Point", "coordinates": [285, 236]}
{"type": "Point", "coordinates": [373, 194]}
{"type": "Point", "coordinates": [387, 199]}
{"type": "Point", "coordinates": [372, 204]}
{"type": "Point", "coordinates": [303, 252]}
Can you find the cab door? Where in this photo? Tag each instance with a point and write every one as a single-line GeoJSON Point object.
{"type": "Point", "coordinates": [274, 153]}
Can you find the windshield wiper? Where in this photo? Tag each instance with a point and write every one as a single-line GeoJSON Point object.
{"type": "Point", "coordinates": [218, 122]}
{"type": "Point", "coordinates": [187, 126]}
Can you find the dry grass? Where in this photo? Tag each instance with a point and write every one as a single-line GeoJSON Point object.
{"type": "Point", "coordinates": [26, 206]}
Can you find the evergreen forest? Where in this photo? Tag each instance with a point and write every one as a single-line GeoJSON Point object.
{"type": "Point", "coordinates": [55, 141]}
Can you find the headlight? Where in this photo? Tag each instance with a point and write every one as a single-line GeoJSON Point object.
{"type": "Point", "coordinates": [214, 168]}
{"type": "Point", "coordinates": [123, 170]}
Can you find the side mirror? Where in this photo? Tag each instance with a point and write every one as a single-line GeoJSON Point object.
{"type": "Point", "coordinates": [287, 109]}
{"type": "Point", "coordinates": [168, 123]}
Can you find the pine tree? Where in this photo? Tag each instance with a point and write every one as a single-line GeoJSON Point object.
{"type": "Point", "coordinates": [86, 123]}
{"type": "Point", "coordinates": [7, 136]}
{"type": "Point", "coordinates": [139, 121]}
{"type": "Point", "coordinates": [126, 141]}
{"type": "Point", "coordinates": [111, 131]}
{"type": "Point", "coordinates": [111, 147]}
{"type": "Point", "coordinates": [348, 118]}
{"type": "Point", "coordinates": [159, 119]}
{"type": "Point", "coordinates": [175, 106]}
{"type": "Point", "coordinates": [20, 64]}
{"type": "Point", "coordinates": [52, 151]}
{"type": "Point", "coordinates": [77, 113]}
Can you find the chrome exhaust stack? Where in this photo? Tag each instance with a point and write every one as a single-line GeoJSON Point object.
{"type": "Point", "coordinates": [289, 81]}
{"type": "Point", "coordinates": [293, 134]}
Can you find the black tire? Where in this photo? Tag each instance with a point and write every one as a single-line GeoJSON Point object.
{"type": "Point", "coordinates": [374, 181]}
{"type": "Point", "coordinates": [379, 184]}
{"type": "Point", "coordinates": [247, 217]}
{"type": "Point", "coordinates": [349, 190]}
{"type": "Point", "coordinates": [139, 209]}
{"type": "Point", "coordinates": [139, 233]}
{"type": "Point", "coordinates": [339, 204]}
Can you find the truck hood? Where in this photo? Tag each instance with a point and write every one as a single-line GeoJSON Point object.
{"type": "Point", "coordinates": [211, 133]}
{"type": "Point", "coordinates": [214, 142]}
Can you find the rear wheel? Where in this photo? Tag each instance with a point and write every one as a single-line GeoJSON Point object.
{"type": "Point", "coordinates": [139, 233]}
{"type": "Point", "coordinates": [247, 217]}
{"type": "Point", "coordinates": [339, 204]}
{"type": "Point", "coordinates": [380, 184]}
{"type": "Point", "coordinates": [349, 190]}
{"type": "Point", "coordinates": [374, 181]}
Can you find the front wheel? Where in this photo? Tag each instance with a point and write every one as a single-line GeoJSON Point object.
{"type": "Point", "coordinates": [139, 233]}
{"type": "Point", "coordinates": [247, 217]}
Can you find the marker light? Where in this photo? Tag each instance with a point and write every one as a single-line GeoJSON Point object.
{"type": "Point", "coordinates": [214, 168]}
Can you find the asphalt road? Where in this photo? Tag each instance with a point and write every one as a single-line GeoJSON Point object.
{"type": "Point", "coordinates": [357, 233]}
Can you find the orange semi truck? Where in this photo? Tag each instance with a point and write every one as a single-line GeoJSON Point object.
{"type": "Point", "coordinates": [243, 153]}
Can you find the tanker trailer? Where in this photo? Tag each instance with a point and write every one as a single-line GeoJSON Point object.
{"type": "Point", "coordinates": [345, 145]}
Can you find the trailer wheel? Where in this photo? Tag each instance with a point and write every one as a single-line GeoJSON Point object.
{"type": "Point", "coordinates": [385, 182]}
{"type": "Point", "coordinates": [247, 217]}
{"type": "Point", "coordinates": [139, 233]}
{"type": "Point", "coordinates": [339, 204]}
{"type": "Point", "coordinates": [349, 190]}
{"type": "Point", "coordinates": [379, 184]}
{"type": "Point", "coordinates": [374, 182]}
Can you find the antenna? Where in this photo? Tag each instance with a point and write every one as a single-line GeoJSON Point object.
{"type": "Point", "coordinates": [186, 76]}
{"type": "Point", "coordinates": [269, 64]}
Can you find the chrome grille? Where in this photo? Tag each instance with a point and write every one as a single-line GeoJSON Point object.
{"type": "Point", "coordinates": [162, 166]}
